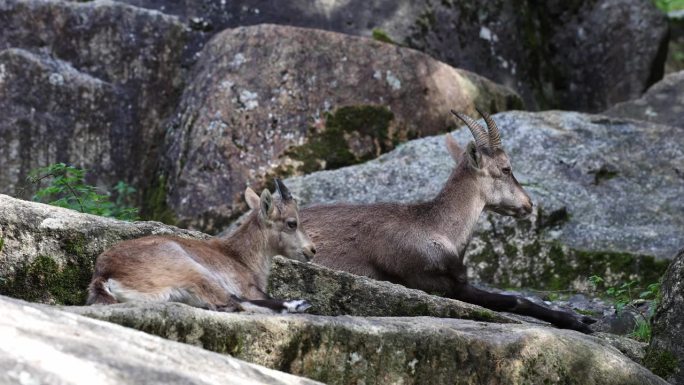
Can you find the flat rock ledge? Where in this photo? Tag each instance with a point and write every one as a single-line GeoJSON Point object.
{"type": "Point", "coordinates": [43, 345]}
{"type": "Point", "coordinates": [377, 350]}
{"type": "Point", "coordinates": [334, 292]}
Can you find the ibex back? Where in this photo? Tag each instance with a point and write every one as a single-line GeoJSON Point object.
{"type": "Point", "coordinates": [422, 245]}
{"type": "Point", "coordinates": [224, 274]}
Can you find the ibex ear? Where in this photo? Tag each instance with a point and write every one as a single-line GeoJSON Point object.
{"type": "Point", "coordinates": [474, 155]}
{"type": "Point", "coordinates": [266, 202]}
{"type": "Point", "coordinates": [251, 198]}
{"type": "Point", "coordinates": [454, 149]}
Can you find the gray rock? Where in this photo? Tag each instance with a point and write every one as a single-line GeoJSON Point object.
{"type": "Point", "coordinates": [665, 354]}
{"type": "Point", "coordinates": [333, 292]}
{"type": "Point", "coordinates": [48, 255]}
{"type": "Point", "coordinates": [379, 350]}
{"type": "Point", "coordinates": [606, 205]}
{"type": "Point", "coordinates": [54, 113]}
{"type": "Point", "coordinates": [663, 103]}
{"type": "Point", "coordinates": [275, 100]}
{"type": "Point", "coordinates": [48, 252]}
{"type": "Point", "coordinates": [136, 54]}
{"type": "Point", "coordinates": [584, 55]}
{"type": "Point", "coordinates": [42, 345]}
{"type": "Point", "coordinates": [633, 349]}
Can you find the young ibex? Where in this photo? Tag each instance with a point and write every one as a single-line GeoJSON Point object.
{"type": "Point", "coordinates": [422, 245]}
{"type": "Point", "coordinates": [225, 274]}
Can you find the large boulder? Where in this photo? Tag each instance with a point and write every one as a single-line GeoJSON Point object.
{"type": "Point", "coordinates": [47, 253]}
{"type": "Point", "coordinates": [333, 292]}
{"type": "Point", "coordinates": [42, 345]}
{"type": "Point", "coordinates": [127, 62]}
{"type": "Point", "coordinates": [55, 113]}
{"type": "Point", "coordinates": [276, 100]}
{"type": "Point", "coordinates": [663, 103]}
{"type": "Point", "coordinates": [605, 204]}
{"type": "Point", "coordinates": [380, 350]}
{"type": "Point", "coordinates": [665, 354]}
{"type": "Point", "coordinates": [584, 55]}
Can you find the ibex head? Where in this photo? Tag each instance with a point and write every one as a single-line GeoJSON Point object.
{"type": "Point", "coordinates": [279, 220]}
{"type": "Point", "coordinates": [492, 169]}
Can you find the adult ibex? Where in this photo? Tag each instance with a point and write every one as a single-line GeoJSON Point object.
{"type": "Point", "coordinates": [422, 245]}
{"type": "Point", "coordinates": [225, 274]}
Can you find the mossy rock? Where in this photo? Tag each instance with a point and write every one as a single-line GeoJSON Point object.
{"type": "Point", "coordinates": [380, 350]}
{"type": "Point", "coordinates": [48, 252]}
{"type": "Point", "coordinates": [351, 135]}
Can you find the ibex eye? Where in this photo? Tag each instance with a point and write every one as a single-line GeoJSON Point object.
{"type": "Point", "coordinates": [506, 170]}
{"type": "Point", "coordinates": [292, 224]}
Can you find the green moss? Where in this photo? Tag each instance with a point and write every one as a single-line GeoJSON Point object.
{"type": "Point", "coordinates": [586, 312]}
{"type": "Point", "coordinates": [382, 36]}
{"type": "Point", "coordinates": [2, 243]}
{"type": "Point", "coordinates": [482, 315]}
{"type": "Point", "coordinates": [155, 207]}
{"type": "Point", "coordinates": [661, 362]}
{"type": "Point", "coordinates": [44, 280]}
{"type": "Point", "coordinates": [549, 265]}
{"type": "Point", "coordinates": [418, 309]}
{"type": "Point", "coordinates": [329, 149]}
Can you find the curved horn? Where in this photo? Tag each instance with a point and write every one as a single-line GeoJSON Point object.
{"type": "Point", "coordinates": [493, 129]}
{"type": "Point", "coordinates": [479, 133]}
{"type": "Point", "coordinates": [282, 190]}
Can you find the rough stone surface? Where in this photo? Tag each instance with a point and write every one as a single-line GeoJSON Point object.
{"type": "Point", "coordinates": [380, 350]}
{"type": "Point", "coordinates": [584, 55]}
{"type": "Point", "coordinates": [274, 100]}
{"type": "Point", "coordinates": [663, 103]}
{"type": "Point", "coordinates": [42, 345]}
{"type": "Point", "coordinates": [135, 54]}
{"type": "Point", "coordinates": [54, 113]}
{"type": "Point", "coordinates": [47, 253]}
{"type": "Point", "coordinates": [333, 292]}
{"type": "Point", "coordinates": [605, 204]}
{"type": "Point", "coordinates": [665, 354]}
{"type": "Point", "coordinates": [633, 349]}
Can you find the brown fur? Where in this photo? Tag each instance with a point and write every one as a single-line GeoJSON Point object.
{"type": "Point", "coordinates": [422, 245]}
{"type": "Point", "coordinates": [205, 273]}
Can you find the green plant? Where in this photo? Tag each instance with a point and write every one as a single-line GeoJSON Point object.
{"type": "Point", "coordinates": [67, 188]}
{"type": "Point", "coordinates": [2, 243]}
{"type": "Point", "coordinates": [624, 295]}
{"type": "Point", "coordinates": [382, 36]}
{"type": "Point", "coordinates": [669, 5]}
{"type": "Point", "coordinates": [642, 330]}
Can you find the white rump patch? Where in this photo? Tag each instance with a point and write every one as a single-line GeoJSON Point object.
{"type": "Point", "coordinates": [172, 294]}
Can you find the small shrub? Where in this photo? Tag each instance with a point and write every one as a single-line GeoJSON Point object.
{"type": "Point", "coordinates": [623, 296]}
{"type": "Point", "coordinates": [67, 188]}
{"type": "Point", "coordinates": [382, 36]}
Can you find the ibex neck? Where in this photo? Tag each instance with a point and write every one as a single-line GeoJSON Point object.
{"type": "Point", "coordinates": [458, 206]}
{"type": "Point", "coordinates": [248, 245]}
